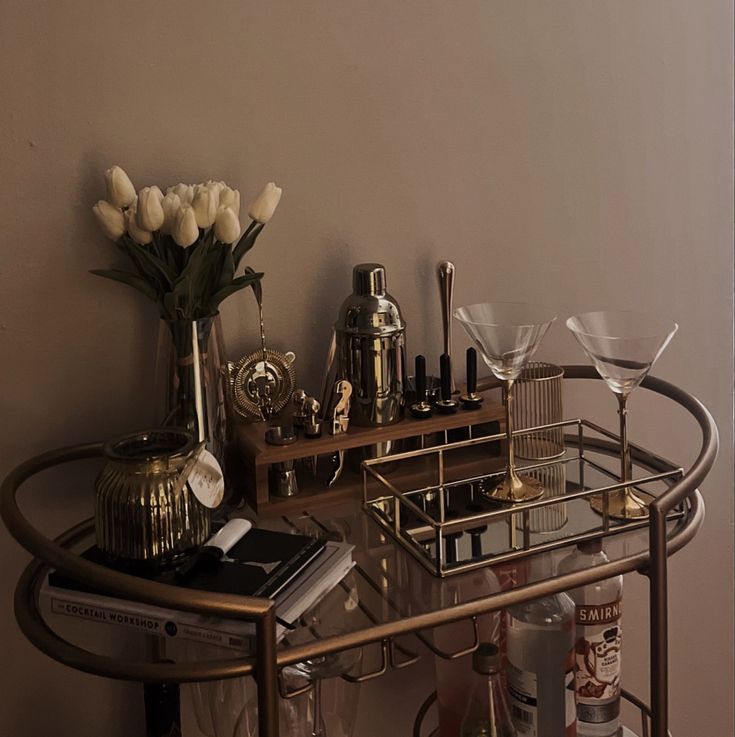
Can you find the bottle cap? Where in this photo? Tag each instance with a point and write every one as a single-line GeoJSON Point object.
{"type": "Point", "coordinates": [486, 659]}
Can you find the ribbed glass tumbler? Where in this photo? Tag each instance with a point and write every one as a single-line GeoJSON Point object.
{"type": "Point", "coordinates": [539, 402]}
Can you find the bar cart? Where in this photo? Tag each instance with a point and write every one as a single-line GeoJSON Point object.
{"type": "Point", "coordinates": [397, 599]}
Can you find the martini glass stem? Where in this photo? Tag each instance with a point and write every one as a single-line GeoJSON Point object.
{"type": "Point", "coordinates": [318, 727]}
{"type": "Point", "coordinates": [625, 470]}
{"type": "Point", "coordinates": [510, 455]}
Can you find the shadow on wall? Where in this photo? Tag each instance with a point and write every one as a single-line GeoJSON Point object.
{"type": "Point", "coordinates": [333, 277]}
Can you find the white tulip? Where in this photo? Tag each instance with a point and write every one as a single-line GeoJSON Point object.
{"type": "Point", "coordinates": [171, 204]}
{"type": "Point", "coordinates": [230, 198]}
{"type": "Point", "coordinates": [110, 218]}
{"type": "Point", "coordinates": [264, 205]}
{"type": "Point", "coordinates": [184, 191]}
{"type": "Point", "coordinates": [216, 188]}
{"type": "Point", "coordinates": [185, 230]}
{"type": "Point", "coordinates": [120, 190]}
{"type": "Point", "coordinates": [138, 234]}
{"type": "Point", "coordinates": [149, 213]}
{"type": "Point", "coordinates": [226, 226]}
{"type": "Point", "coordinates": [205, 206]}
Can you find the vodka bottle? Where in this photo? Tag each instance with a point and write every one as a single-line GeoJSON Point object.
{"type": "Point", "coordinates": [597, 650]}
{"type": "Point", "coordinates": [487, 712]}
{"type": "Point", "coordinates": [540, 651]}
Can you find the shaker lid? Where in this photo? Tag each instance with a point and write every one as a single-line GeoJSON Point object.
{"type": "Point", "coordinates": [370, 310]}
{"type": "Point", "coordinates": [486, 659]}
{"type": "Point", "coordinates": [368, 280]}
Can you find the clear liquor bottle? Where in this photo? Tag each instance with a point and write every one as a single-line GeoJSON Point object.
{"type": "Point", "coordinates": [487, 713]}
{"type": "Point", "coordinates": [598, 644]}
{"type": "Point", "coordinates": [540, 652]}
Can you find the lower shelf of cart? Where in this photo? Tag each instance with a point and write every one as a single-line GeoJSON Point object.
{"type": "Point", "coordinates": [625, 733]}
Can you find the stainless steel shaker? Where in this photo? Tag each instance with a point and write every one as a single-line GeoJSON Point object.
{"type": "Point", "coordinates": [370, 335]}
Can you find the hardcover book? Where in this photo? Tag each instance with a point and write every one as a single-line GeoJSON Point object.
{"type": "Point", "coordinates": [297, 580]}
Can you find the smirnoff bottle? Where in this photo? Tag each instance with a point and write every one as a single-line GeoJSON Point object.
{"type": "Point", "coordinates": [597, 650]}
{"type": "Point", "coordinates": [540, 669]}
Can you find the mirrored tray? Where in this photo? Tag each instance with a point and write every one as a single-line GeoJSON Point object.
{"type": "Point", "coordinates": [432, 501]}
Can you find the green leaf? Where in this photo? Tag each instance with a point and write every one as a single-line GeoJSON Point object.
{"type": "Point", "coordinates": [145, 265]}
{"type": "Point", "coordinates": [132, 280]}
{"type": "Point", "coordinates": [194, 276]}
{"type": "Point", "coordinates": [180, 301]}
{"type": "Point", "coordinates": [156, 265]}
{"type": "Point", "coordinates": [235, 286]}
{"type": "Point", "coordinates": [246, 242]}
{"type": "Point", "coordinates": [168, 310]}
{"type": "Point", "coordinates": [227, 270]}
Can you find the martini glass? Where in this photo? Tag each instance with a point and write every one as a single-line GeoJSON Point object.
{"type": "Point", "coordinates": [623, 346]}
{"type": "Point", "coordinates": [507, 335]}
{"type": "Point", "coordinates": [316, 670]}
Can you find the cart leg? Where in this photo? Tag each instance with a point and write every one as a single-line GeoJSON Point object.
{"type": "Point", "coordinates": [659, 623]}
{"type": "Point", "coordinates": [162, 709]}
{"type": "Point", "coordinates": [266, 675]}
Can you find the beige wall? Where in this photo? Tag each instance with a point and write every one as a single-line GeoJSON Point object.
{"type": "Point", "coordinates": [576, 153]}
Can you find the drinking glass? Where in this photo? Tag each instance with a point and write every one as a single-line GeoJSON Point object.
{"type": "Point", "coordinates": [623, 346]}
{"type": "Point", "coordinates": [507, 335]}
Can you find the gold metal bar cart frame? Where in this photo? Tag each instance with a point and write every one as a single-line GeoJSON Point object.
{"type": "Point", "coordinates": [267, 662]}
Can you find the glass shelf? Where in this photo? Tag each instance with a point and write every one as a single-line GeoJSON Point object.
{"type": "Point", "coordinates": [425, 710]}
{"type": "Point", "coordinates": [392, 592]}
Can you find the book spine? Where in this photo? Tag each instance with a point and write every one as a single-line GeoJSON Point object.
{"type": "Point", "coordinates": [283, 576]}
{"type": "Point", "coordinates": [142, 618]}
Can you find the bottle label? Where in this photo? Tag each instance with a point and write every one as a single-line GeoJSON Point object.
{"type": "Point", "coordinates": [523, 700]}
{"type": "Point", "coordinates": [599, 638]}
{"type": "Point", "coordinates": [570, 697]}
{"type": "Point", "coordinates": [522, 689]}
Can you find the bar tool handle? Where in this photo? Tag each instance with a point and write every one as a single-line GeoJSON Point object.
{"type": "Point", "coordinates": [445, 272]}
{"type": "Point", "coordinates": [445, 368]}
{"type": "Point", "coordinates": [420, 379]}
{"type": "Point", "coordinates": [471, 371]}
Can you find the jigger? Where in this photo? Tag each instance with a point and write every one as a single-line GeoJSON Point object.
{"type": "Point", "coordinates": [421, 408]}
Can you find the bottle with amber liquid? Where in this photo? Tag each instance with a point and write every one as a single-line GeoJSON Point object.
{"type": "Point", "coordinates": [598, 644]}
{"type": "Point", "coordinates": [487, 713]}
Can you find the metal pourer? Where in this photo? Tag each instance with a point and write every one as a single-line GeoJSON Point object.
{"type": "Point", "coordinates": [299, 400]}
{"type": "Point", "coordinates": [471, 399]}
{"type": "Point", "coordinates": [312, 423]}
{"type": "Point", "coordinates": [421, 409]}
{"type": "Point", "coordinates": [446, 405]}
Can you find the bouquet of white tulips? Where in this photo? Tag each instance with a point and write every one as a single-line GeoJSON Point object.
{"type": "Point", "coordinates": [185, 246]}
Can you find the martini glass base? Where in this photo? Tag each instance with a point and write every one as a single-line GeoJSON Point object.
{"type": "Point", "coordinates": [514, 489]}
{"type": "Point", "coordinates": [624, 504]}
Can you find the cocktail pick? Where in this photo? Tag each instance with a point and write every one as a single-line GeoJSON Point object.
{"type": "Point", "coordinates": [471, 399]}
{"type": "Point", "coordinates": [421, 409]}
{"type": "Point", "coordinates": [446, 405]}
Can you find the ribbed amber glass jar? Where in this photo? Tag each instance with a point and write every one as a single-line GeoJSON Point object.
{"type": "Point", "coordinates": [143, 513]}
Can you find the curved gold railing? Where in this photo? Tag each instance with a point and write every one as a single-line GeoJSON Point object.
{"type": "Point", "coordinates": [264, 666]}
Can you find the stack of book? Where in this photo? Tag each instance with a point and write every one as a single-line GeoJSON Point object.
{"type": "Point", "coordinates": [295, 570]}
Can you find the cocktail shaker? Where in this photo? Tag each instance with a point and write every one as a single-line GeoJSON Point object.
{"type": "Point", "coordinates": [370, 334]}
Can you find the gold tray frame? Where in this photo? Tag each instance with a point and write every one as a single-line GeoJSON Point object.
{"type": "Point", "coordinates": [391, 507]}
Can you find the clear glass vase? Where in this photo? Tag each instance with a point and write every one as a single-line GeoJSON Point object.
{"type": "Point", "coordinates": [191, 364]}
